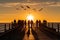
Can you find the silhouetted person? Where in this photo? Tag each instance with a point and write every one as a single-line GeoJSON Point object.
{"type": "Point", "coordinates": [31, 23]}
{"type": "Point", "coordinates": [19, 21]}
{"type": "Point", "coordinates": [39, 23]}
{"type": "Point", "coordinates": [25, 23]}
{"type": "Point", "coordinates": [14, 24]}
{"type": "Point", "coordinates": [44, 23]}
{"type": "Point", "coordinates": [36, 23]}
{"type": "Point", "coordinates": [22, 23]}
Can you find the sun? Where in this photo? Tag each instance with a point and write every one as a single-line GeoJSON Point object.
{"type": "Point", "coordinates": [30, 17]}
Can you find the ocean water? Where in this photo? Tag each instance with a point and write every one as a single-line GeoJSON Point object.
{"type": "Point", "coordinates": [55, 26]}
{"type": "Point", "coordinates": [2, 26]}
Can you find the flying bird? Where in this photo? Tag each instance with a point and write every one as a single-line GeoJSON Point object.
{"type": "Point", "coordinates": [41, 9]}
{"type": "Point", "coordinates": [22, 7]}
{"type": "Point", "coordinates": [28, 7]}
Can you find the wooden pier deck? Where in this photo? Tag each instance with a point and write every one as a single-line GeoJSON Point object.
{"type": "Point", "coordinates": [30, 31]}
{"type": "Point", "coordinates": [17, 34]}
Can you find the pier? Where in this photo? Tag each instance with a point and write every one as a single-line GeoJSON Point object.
{"type": "Point", "coordinates": [22, 30]}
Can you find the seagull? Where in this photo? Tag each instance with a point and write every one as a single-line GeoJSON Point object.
{"type": "Point", "coordinates": [28, 7]}
{"type": "Point", "coordinates": [22, 7]}
{"type": "Point", "coordinates": [41, 9]}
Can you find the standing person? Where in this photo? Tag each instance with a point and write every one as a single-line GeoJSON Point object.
{"type": "Point", "coordinates": [28, 33]}
{"type": "Point", "coordinates": [28, 23]}
{"type": "Point", "coordinates": [31, 23]}
{"type": "Point", "coordinates": [25, 23]}
{"type": "Point", "coordinates": [37, 23]}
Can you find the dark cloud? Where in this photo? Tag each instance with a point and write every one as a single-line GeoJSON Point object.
{"type": "Point", "coordinates": [14, 3]}
{"type": "Point", "coordinates": [46, 0]}
{"type": "Point", "coordinates": [3, 1]}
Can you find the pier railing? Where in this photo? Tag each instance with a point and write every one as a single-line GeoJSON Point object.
{"type": "Point", "coordinates": [51, 28]}
{"type": "Point", "coordinates": [54, 26]}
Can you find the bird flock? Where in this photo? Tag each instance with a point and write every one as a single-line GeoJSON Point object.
{"type": "Point", "coordinates": [28, 7]}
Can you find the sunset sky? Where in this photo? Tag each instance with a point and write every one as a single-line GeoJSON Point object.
{"type": "Point", "coordinates": [11, 9]}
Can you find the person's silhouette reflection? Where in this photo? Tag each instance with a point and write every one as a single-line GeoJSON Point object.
{"type": "Point", "coordinates": [30, 24]}
{"type": "Point", "coordinates": [28, 33]}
